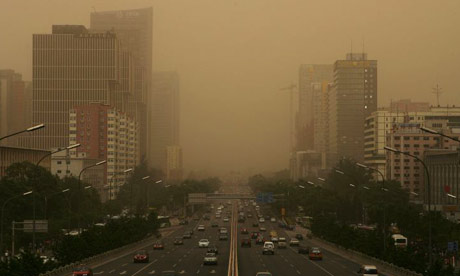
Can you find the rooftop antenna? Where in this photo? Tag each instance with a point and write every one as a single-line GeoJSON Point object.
{"type": "Point", "coordinates": [437, 91]}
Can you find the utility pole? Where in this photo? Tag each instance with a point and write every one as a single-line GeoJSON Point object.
{"type": "Point", "coordinates": [437, 91]}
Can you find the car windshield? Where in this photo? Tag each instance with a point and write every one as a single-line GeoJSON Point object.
{"type": "Point", "coordinates": [371, 271]}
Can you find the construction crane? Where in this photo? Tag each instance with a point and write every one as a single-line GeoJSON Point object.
{"type": "Point", "coordinates": [291, 88]}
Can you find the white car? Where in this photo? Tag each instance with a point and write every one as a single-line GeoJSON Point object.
{"type": "Point", "coordinates": [294, 242]}
{"type": "Point", "coordinates": [273, 219]}
{"type": "Point", "coordinates": [223, 230]}
{"type": "Point", "coordinates": [210, 259]}
{"type": "Point", "coordinates": [261, 220]}
{"type": "Point", "coordinates": [200, 227]}
{"type": "Point", "coordinates": [282, 239]}
{"type": "Point", "coordinates": [218, 216]}
{"type": "Point", "coordinates": [275, 239]}
{"type": "Point", "coordinates": [203, 243]}
{"type": "Point", "coordinates": [226, 219]}
{"type": "Point", "coordinates": [269, 248]}
{"type": "Point", "coordinates": [368, 270]}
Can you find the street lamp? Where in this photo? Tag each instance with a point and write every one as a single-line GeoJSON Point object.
{"type": "Point", "coordinates": [429, 196]}
{"type": "Point", "coordinates": [112, 178]}
{"type": "Point", "coordinates": [38, 179]}
{"type": "Point", "coordinates": [30, 129]}
{"type": "Point", "coordinates": [352, 185]}
{"type": "Point", "coordinates": [1, 220]}
{"type": "Point", "coordinates": [79, 186]}
{"type": "Point", "coordinates": [432, 131]}
{"type": "Point", "coordinates": [339, 171]}
{"type": "Point", "coordinates": [311, 183]}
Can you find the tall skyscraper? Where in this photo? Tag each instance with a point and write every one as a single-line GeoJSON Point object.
{"type": "Point", "coordinates": [165, 117]}
{"type": "Point", "coordinates": [309, 74]}
{"type": "Point", "coordinates": [73, 67]}
{"type": "Point", "coordinates": [352, 98]}
{"type": "Point", "coordinates": [135, 29]}
{"type": "Point", "coordinates": [14, 103]}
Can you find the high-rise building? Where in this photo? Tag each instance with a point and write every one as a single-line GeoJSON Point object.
{"type": "Point", "coordinates": [105, 134]}
{"type": "Point", "coordinates": [387, 120]}
{"type": "Point", "coordinates": [74, 67]}
{"type": "Point", "coordinates": [165, 117]}
{"type": "Point", "coordinates": [14, 103]}
{"type": "Point", "coordinates": [174, 163]}
{"type": "Point", "coordinates": [352, 98]}
{"type": "Point", "coordinates": [309, 74]}
{"type": "Point", "coordinates": [135, 29]}
{"type": "Point", "coordinates": [321, 120]}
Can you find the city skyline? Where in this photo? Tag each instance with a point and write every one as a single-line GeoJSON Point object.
{"type": "Point", "coordinates": [240, 91]}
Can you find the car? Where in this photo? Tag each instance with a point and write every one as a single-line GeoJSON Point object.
{"type": "Point", "coordinates": [244, 231]}
{"type": "Point", "coordinates": [263, 274]}
{"type": "Point", "coordinates": [315, 254]}
{"type": "Point", "coordinates": [290, 227]}
{"type": "Point", "coordinates": [299, 236]}
{"type": "Point", "coordinates": [214, 225]}
{"type": "Point", "coordinates": [190, 231]}
{"type": "Point", "coordinates": [178, 241]}
{"type": "Point", "coordinates": [261, 220]}
{"type": "Point", "coordinates": [267, 217]}
{"type": "Point", "coordinates": [260, 240]}
{"type": "Point", "coordinates": [245, 242]}
{"type": "Point", "coordinates": [213, 250]}
{"type": "Point", "coordinates": [203, 243]}
{"type": "Point", "coordinates": [249, 215]}
{"type": "Point", "coordinates": [141, 256]}
{"type": "Point", "coordinates": [262, 229]}
{"type": "Point", "coordinates": [210, 259]}
{"type": "Point", "coordinates": [254, 235]}
{"type": "Point", "coordinates": [272, 219]}
{"type": "Point", "coordinates": [158, 245]}
{"type": "Point", "coordinates": [183, 222]}
{"type": "Point", "coordinates": [226, 219]}
{"type": "Point", "coordinates": [187, 235]}
{"type": "Point", "coordinates": [368, 270]}
{"type": "Point", "coordinates": [200, 227]}
{"type": "Point", "coordinates": [218, 216]}
{"type": "Point", "coordinates": [168, 273]}
{"type": "Point", "coordinates": [281, 224]}
{"type": "Point", "coordinates": [82, 271]}
{"type": "Point", "coordinates": [303, 250]}
{"type": "Point", "coordinates": [206, 217]}
{"type": "Point", "coordinates": [255, 224]}
{"type": "Point", "coordinates": [269, 248]}
{"type": "Point", "coordinates": [274, 239]}
{"type": "Point", "coordinates": [281, 239]}
{"type": "Point", "coordinates": [223, 237]}
{"type": "Point", "coordinates": [223, 230]}
{"type": "Point", "coordinates": [282, 244]}
{"type": "Point", "coordinates": [241, 219]}
{"type": "Point", "coordinates": [294, 242]}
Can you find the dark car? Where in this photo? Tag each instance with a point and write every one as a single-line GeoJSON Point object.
{"type": "Point", "coordinates": [282, 224]}
{"type": "Point", "coordinates": [290, 227]}
{"type": "Point", "coordinates": [244, 231]}
{"type": "Point", "coordinates": [158, 246]}
{"type": "Point", "coordinates": [178, 241]}
{"type": "Point", "coordinates": [299, 236]}
{"type": "Point", "coordinates": [223, 237]}
{"type": "Point", "coordinates": [82, 271]}
{"type": "Point", "coordinates": [303, 250]}
{"type": "Point", "coordinates": [187, 236]}
{"type": "Point", "coordinates": [183, 222]}
{"type": "Point", "coordinates": [214, 224]}
{"type": "Point", "coordinates": [254, 235]}
{"type": "Point", "coordinates": [255, 224]}
{"type": "Point", "coordinates": [213, 250]}
{"type": "Point", "coordinates": [245, 242]}
{"type": "Point", "coordinates": [141, 256]}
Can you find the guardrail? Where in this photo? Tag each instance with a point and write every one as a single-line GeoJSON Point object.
{"type": "Point", "coordinates": [69, 267]}
{"type": "Point", "coordinates": [233, 255]}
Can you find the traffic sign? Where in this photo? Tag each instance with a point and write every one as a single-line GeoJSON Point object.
{"type": "Point", "coordinates": [41, 226]}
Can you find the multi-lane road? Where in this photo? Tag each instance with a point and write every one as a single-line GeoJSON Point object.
{"type": "Point", "coordinates": [187, 259]}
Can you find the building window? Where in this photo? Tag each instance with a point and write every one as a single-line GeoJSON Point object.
{"type": "Point", "coordinates": [59, 171]}
{"type": "Point", "coordinates": [59, 162]}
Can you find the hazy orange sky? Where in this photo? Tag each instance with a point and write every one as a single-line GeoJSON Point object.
{"type": "Point", "coordinates": [234, 55]}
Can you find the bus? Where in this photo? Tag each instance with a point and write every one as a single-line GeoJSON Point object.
{"type": "Point", "coordinates": [399, 240]}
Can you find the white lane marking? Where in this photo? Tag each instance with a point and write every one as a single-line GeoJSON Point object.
{"type": "Point", "coordinates": [182, 272]}
{"type": "Point", "coordinates": [111, 271]}
{"type": "Point", "coordinates": [298, 272]}
{"type": "Point", "coordinates": [144, 267]}
{"type": "Point", "coordinates": [125, 264]}
{"type": "Point", "coordinates": [198, 271]}
{"type": "Point", "coordinates": [123, 272]}
{"type": "Point", "coordinates": [180, 260]}
{"type": "Point", "coordinates": [212, 272]}
{"type": "Point", "coordinates": [174, 265]}
{"type": "Point", "coordinates": [152, 272]}
{"type": "Point", "coordinates": [100, 272]}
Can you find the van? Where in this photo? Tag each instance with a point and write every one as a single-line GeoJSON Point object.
{"type": "Point", "coordinates": [269, 248]}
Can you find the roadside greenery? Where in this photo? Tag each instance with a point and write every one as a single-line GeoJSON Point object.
{"type": "Point", "coordinates": [338, 209]}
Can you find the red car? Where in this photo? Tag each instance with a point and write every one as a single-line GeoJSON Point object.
{"type": "Point", "coordinates": [244, 231]}
{"type": "Point", "coordinates": [158, 246]}
{"type": "Point", "coordinates": [315, 254]}
{"type": "Point", "coordinates": [82, 271]}
{"type": "Point", "coordinates": [245, 242]}
{"type": "Point", "coordinates": [141, 256]}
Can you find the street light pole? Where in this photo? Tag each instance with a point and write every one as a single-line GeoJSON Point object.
{"type": "Point", "coordinates": [30, 129]}
{"type": "Point", "coordinates": [35, 187]}
{"type": "Point", "coordinates": [429, 197]}
{"type": "Point", "coordinates": [46, 199]}
{"type": "Point", "coordinates": [384, 205]}
{"type": "Point", "coordinates": [79, 189]}
{"type": "Point", "coordinates": [3, 210]}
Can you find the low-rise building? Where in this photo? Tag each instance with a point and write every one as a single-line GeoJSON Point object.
{"type": "Point", "coordinates": [11, 155]}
